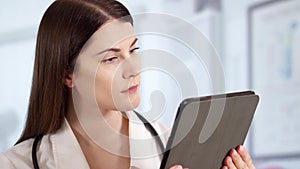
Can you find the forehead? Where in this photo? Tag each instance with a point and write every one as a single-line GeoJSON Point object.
{"type": "Point", "coordinates": [109, 35]}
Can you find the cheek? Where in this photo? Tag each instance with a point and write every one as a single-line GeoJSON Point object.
{"type": "Point", "coordinates": [84, 80]}
{"type": "Point", "coordinates": [108, 87]}
{"type": "Point", "coordinates": [103, 88]}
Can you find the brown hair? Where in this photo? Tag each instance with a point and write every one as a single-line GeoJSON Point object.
{"type": "Point", "coordinates": [64, 29]}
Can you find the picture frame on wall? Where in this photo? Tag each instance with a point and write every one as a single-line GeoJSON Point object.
{"type": "Point", "coordinates": [274, 57]}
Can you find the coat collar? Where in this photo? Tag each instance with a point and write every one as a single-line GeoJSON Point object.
{"type": "Point", "coordinates": [66, 149]}
{"type": "Point", "coordinates": [143, 148]}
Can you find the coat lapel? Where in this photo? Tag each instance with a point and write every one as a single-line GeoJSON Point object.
{"type": "Point", "coordinates": [66, 149]}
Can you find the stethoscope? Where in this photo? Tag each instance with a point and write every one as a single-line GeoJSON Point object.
{"type": "Point", "coordinates": [147, 124]}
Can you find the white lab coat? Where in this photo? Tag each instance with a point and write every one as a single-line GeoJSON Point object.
{"type": "Point", "coordinates": [62, 151]}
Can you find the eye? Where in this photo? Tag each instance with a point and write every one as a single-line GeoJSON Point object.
{"type": "Point", "coordinates": [134, 49]}
{"type": "Point", "coordinates": [110, 60]}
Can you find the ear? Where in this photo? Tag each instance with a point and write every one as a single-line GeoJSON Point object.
{"type": "Point", "coordinates": [68, 79]}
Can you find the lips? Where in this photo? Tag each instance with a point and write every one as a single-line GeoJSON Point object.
{"type": "Point", "coordinates": [130, 90]}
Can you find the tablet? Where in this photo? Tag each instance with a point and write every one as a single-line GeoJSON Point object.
{"type": "Point", "coordinates": [206, 128]}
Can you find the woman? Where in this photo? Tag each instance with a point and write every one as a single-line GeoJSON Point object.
{"type": "Point", "coordinates": [85, 66]}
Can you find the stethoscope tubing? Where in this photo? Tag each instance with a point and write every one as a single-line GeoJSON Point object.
{"type": "Point", "coordinates": [147, 124]}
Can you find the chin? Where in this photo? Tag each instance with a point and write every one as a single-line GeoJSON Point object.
{"type": "Point", "coordinates": [135, 104]}
{"type": "Point", "coordinates": [130, 104]}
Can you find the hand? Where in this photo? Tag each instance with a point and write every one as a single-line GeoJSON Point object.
{"type": "Point", "coordinates": [238, 158]}
{"type": "Point", "coordinates": [177, 167]}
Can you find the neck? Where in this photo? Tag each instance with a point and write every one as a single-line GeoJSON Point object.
{"type": "Point", "coordinates": [109, 147]}
{"type": "Point", "coordinates": [116, 120]}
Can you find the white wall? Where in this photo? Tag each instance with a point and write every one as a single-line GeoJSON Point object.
{"type": "Point", "coordinates": [235, 45]}
{"type": "Point", "coordinates": [19, 22]}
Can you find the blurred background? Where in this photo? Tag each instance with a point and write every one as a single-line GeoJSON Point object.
{"type": "Point", "coordinates": [256, 42]}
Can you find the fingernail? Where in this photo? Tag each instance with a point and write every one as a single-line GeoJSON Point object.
{"type": "Point", "coordinates": [178, 167]}
{"type": "Point", "coordinates": [229, 160]}
{"type": "Point", "coordinates": [241, 148]}
{"type": "Point", "coordinates": [234, 153]}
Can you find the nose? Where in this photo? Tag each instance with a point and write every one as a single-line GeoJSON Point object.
{"type": "Point", "coordinates": [131, 67]}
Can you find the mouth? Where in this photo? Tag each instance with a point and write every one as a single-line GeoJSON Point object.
{"type": "Point", "coordinates": [131, 90]}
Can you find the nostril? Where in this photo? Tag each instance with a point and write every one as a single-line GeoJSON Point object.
{"type": "Point", "coordinates": [130, 75]}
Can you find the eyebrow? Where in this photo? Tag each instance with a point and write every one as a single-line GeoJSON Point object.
{"type": "Point", "coordinates": [116, 49]}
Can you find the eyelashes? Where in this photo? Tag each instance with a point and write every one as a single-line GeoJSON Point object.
{"type": "Point", "coordinates": [114, 58]}
{"type": "Point", "coordinates": [109, 60]}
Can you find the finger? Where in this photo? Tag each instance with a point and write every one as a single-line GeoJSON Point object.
{"type": "Point", "coordinates": [229, 163]}
{"type": "Point", "coordinates": [245, 156]}
{"type": "Point", "coordinates": [176, 167]}
{"type": "Point", "coordinates": [237, 160]}
{"type": "Point", "coordinates": [224, 167]}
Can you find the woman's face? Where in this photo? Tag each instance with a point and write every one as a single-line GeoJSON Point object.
{"type": "Point", "coordinates": [108, 68]}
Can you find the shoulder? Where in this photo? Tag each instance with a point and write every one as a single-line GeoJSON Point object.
{"type": "Point", "coordinates": [5, 162]}
{"type": "Point", "coordinates": [162, 130]}
{"type": "Point", "coordinates": [20, 155]}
